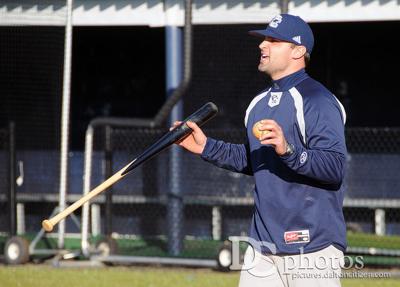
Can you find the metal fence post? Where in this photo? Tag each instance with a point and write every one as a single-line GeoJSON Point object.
{"type": "Point", "coordinates": [108, 173]}
{"type": "Point", "coordinates": [380, 226]}
{"type": "Point", "coordinates": [174, 204]}
{"type": "Point", "coordinates": [12, 184]}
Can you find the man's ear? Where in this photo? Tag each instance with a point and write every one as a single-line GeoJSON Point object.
{"type": "Point", "coordinates": [299, 51]}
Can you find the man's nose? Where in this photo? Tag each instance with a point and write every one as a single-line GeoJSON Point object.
{"type": "Point", "coordinates": [263, 44]}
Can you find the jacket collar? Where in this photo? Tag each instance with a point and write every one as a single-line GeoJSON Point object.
{"type": "Point", "coordinates": [289, 81]}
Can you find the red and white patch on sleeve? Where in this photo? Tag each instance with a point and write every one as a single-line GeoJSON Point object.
{"type": "Point", "coordinates": [298, 236]}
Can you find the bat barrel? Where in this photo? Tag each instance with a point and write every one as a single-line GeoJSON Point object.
{"type": "Point", "coordinates": [200, 117]}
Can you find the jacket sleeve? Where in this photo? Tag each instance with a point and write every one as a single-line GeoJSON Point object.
{"type": "Point", "coordinates": [233, 157]}
{"type": "Point", "coordinates": [323, 157]}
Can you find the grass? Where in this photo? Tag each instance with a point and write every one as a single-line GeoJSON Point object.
{"type": "Point", "coordinates": [35, 276]}
{"type": "Point", "coordinates": [370, 283]}
{"type": "Point", "coordinates": [371, 240]}
{"type": "Point", "coordinates": [46, 276]}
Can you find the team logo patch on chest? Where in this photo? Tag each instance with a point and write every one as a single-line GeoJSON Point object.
{"type": "Point", "coordinates": [298, 236]}
{"type": "Point", "coordinates": [274, 99]}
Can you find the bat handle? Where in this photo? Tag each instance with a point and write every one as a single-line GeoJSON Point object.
{"type": "Point", "coordinates": [47, 225]}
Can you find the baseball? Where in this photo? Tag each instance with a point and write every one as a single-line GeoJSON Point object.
{"type": "Point", "coordinates": [258, 133]}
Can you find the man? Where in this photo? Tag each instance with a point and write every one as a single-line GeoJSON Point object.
{"type": "Point", "coordinates": [298, 166]}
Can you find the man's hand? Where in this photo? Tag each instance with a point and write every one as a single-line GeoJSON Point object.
{"type": "Point", "coordinates": [196, 141]}
{"type": "Point", "coordinates": [275, 137]}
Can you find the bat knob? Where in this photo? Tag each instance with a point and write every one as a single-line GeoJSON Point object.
{"type": "Point", "coordinates": [47, 225]}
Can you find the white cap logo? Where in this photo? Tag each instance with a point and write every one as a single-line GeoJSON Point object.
{"type": "Point", "coordinates": [276, 21]}
{"type": "Point", "coordinates": [297, 39]}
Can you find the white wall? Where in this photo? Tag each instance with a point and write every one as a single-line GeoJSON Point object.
{"type": "Point", "coordinates": [346, 11]}
{"type": "Point", "coordinates": [170, 12]}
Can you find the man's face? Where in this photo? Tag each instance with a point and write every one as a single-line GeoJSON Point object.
{"type": "Point", "coordinates": [275, 58]}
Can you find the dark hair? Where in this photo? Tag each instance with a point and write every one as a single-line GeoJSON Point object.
{"type": "Point", "coordinates": [307, 58]}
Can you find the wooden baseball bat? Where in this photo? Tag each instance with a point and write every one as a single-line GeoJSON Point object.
{"type": "Point", "coordinates": [201, 116]}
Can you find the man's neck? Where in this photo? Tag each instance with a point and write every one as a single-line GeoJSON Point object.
{"type": "Point", "coordinates": [287, 72]}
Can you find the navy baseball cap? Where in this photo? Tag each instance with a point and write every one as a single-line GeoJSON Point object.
{"type": "Point", "coordinates": [288, 28]}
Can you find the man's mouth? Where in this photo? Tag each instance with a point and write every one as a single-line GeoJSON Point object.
{"type": "Point", "coordinates": [263, 57]}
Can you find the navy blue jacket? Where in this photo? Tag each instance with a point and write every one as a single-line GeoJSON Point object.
{"type": "Point", "coordinates": [298, 198]}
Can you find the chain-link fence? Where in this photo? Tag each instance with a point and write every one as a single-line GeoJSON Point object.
{"type": "Point", "coordinates": [217, 203]}
{"type": "Point", "coordinates": [30, 86]}
{"type": "Point", "coordinates": [32, 38]}
{"type": "Point", "coordinates": [372, 205]}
